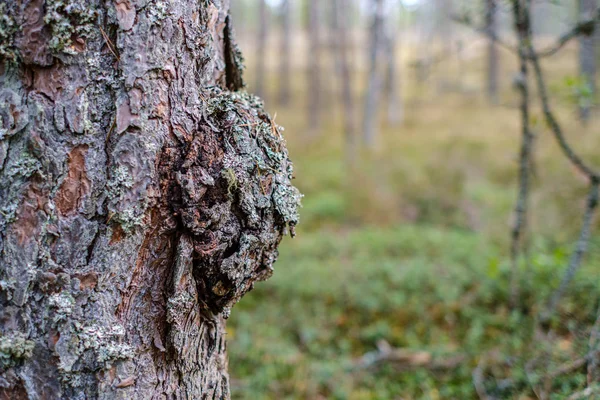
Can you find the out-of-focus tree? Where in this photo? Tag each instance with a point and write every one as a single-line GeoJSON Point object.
{"type": "Point", "coordinates": [284, 53]}
{"type": "Point", "coordinates": [261, 50]}
{"type": "Point", "coordinates": [395, 112]}
{"type": "Point", "coordinates": [493, 67]}
{"type": "Point", "coordinates": [587, 60]}
{"type": "Point", "coordinates": [372, 96]}
{"type": "Point", "coordinates": [314, 67]}
{"type": "Point", "coordinates": [340, 10]}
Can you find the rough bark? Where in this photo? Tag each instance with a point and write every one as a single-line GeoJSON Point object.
{"type": "Point", "coordinates": [285, 78]}
{"type": "Point", "coordinates": [141, 195]}
{"type": "Point", "coordinates": [587, 59]}
{"type": "Point", "coordinates": [373, 92]}
{"type": "Point", "coordinates": [491, 17]}
{"type": "Point", "coordinates": [261, 50]}
{"type": "Point", "coordinates": [314, 67]}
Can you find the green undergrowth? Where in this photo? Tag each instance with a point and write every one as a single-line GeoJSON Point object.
{"type": "Point", "coordinates": [410, 246]}
{"type": "Point", "coordinates": [335, 294]}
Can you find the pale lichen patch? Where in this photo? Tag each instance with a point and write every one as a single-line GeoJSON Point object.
{"type": "Point", "coordinates": [13, 348]}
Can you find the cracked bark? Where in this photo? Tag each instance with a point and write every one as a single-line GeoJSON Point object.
{"type": "Point", "coordinates": [142, 193]}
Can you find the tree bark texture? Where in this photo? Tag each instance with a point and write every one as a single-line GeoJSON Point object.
{"type": "Point", "coordinates": [491, 17]}
{"type": "Point", "coordinates": [142, 193]}
{"type": "Point", "coordinates": [587, 58]}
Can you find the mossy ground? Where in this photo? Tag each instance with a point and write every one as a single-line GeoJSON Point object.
{"type": "Point", "coordinates": [412, 247]}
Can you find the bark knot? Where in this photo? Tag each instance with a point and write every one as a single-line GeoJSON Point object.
{"type": "Point", "coordinates": [229, 185]}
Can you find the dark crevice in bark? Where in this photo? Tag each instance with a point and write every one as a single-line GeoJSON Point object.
{"type": "Point", "coordinates": [233, 59]}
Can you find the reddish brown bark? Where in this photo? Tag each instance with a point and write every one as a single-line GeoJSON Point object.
{"type": "Point", "coordinates": [141, 195]}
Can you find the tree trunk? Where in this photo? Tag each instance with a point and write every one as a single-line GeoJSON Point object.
{"type": "Point", "coordinates": [340, 21]}
{"type": "Point", "coordinates": [284, 61]}
{"type": "Point", "coordinates": [587, 60]}
{"type": "Point", "coordinates": [141, 196]}
{"type": "Point", "coordinates": [370, 120]}
{"type": "Point", "coordinates": [395, 113]}
{"type": "Point", "coordinates": [261, 50]}
{"type": "Point", "coordinates": [314, 67]}
{"type": "Point", "coordinates": [491, 17]}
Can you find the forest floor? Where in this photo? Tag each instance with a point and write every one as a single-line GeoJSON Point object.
{"type": "Point", "coordinates": [397, 284]}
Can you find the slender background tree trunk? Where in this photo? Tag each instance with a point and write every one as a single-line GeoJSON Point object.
{"type": "Point", "coordinates": [137, 203]}
{"type": "Point", "coordinates": [395, 113]}
{"type": "Point", "coordinates": [493, 66]}
{"type": "Point", "coordinates": [373, 93]}
{"type": "Point", "coordinates": [314, 67]}
{"type": "Point", "coordinates": [587, 59]}
{"type": "Point", "coordinates": [340, 11]}
{"type": "Point", "coordinates": [261, 49]}
{"type": "Point", "coordinates": [285, 78]}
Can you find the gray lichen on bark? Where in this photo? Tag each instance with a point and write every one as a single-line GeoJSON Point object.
{"type": "Point", "coordinates": [142, 193]}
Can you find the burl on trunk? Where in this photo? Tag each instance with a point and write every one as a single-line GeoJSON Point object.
{"type": "Point", "coordinates": [142, 193]}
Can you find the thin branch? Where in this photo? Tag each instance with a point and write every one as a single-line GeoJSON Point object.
{"type": "Point", "coordinates": [580, 248]}
{"type": "Point", "coordinates": [109, 44]}
{"type": "Point", "coordinates": [405, 359]}
{"type": "Point", "coordinates": [579, 163]}
{"type": "Point", "coordinates": [478, 380]}
{"type": "Point", "coordinates": [583, 27]}
{"type": "Point", "coordinates": [552, 121]}
{"type": "Point", "coordinates": [593, 372]}
{"type": "Point", "coordinates": [485, 31]}
{"type": "Point", "coordinates": [523, 28]}
{"type": "Point", "coordinates": [585, 394]}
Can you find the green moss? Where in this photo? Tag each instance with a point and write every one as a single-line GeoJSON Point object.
{"type": "Point", "coordinates": [13, 348]}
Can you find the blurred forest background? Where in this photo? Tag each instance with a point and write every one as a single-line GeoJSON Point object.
{"type": "Point", "coordinates": [442, 230]}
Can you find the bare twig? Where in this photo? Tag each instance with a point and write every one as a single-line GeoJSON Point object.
{"type": "Point", "coordinates": [478, 380]}
{"type": "Point", "coordinates": [585, 394]}
{"type": "Point", "coordinates": [553, 122]}
{"type": "Point", "coordinates": [109, 44]}
{"type": "Point", "coordinates": [583, 27]}
{"type": "Point", "coordinates": [567, 368]}
{"type": "Point", "coordinates": [593, 372]}
{"type": "Point", "coordinates": [405, 359]}
{"type": "Point", "coordinates": [523, 28]}
{"type": "Point", "coordinates": [539, 393]}
{"type": "Point", "coordinates": [580, 248]}
{"type": "Point", "coordinates": [484, 31]}
{"type": "Point", "coordinates": [580, 164]}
